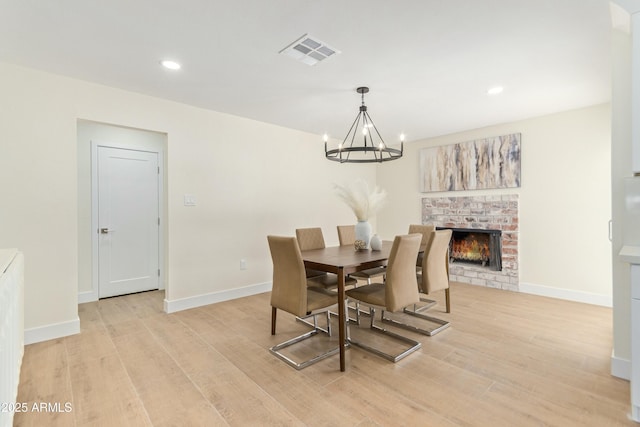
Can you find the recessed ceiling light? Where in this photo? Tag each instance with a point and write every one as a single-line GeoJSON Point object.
{"type": "Point", "coordinates": [172, 65]}
{"type": "Point", "coordinates": [495, 90]}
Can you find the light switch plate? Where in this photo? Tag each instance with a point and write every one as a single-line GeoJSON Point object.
{"type": "Point", "coordinates": [189, 200]}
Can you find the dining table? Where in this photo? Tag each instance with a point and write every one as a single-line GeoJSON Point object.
{"type": "Point", "coordinates": [342, 261]}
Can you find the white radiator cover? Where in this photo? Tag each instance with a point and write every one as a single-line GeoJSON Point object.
{"type": "Point", "coordinates": [11, 329]}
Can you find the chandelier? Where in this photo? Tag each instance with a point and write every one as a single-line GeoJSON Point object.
{"type": "Point", "coordinates": [371, 151]}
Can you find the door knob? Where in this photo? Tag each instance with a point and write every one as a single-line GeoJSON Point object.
{"type": "Point", "coordinates": [104, 231]}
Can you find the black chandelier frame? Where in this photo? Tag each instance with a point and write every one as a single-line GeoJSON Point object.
{"type": "Point", "coordinates": [373, 153]}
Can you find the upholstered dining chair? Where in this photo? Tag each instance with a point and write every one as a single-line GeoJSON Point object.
{"type": "Point", "coordinates": [399, 290]}
{"type": "Point", "coordinates": [425, 230]}
{"type": "Point", "coordinates": [347, 236]}
{"type": "Point", "coordinates": [292, 293]}
{"type": "Point", "coordinates": [312, 238]}
{"type": "Point", "coordinates": [434, 277]}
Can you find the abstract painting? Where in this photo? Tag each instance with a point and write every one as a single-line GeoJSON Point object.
{"type": "Point", "coordinates": [481, 164]}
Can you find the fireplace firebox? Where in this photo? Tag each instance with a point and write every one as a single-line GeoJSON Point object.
{"type": "Point", "coordinates": [476, 246]}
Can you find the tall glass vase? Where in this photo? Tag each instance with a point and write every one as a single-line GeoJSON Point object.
{"type": "Point", "coordinates": [363, 235]}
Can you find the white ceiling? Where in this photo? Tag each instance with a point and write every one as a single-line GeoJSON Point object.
{"type": "Point", "coordinates": [428, 62]}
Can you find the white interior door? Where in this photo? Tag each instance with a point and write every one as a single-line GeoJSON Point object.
{"type": "Point", "coordinates": [128, 221]}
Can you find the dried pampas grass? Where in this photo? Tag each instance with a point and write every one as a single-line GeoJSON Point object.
{"type": "Point", "coordinates": [363, 201]}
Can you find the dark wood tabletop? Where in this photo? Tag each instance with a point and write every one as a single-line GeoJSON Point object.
{"type": "Point", "coordinates": [334, 257]}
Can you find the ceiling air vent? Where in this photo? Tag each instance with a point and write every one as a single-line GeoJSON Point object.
{"type": "Point", "coordinates": [309, 50]}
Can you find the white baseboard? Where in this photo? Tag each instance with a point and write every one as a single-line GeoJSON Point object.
{"type": "Point", "coordinates": [620, 368]}
{"type": "Point", "coordinates": [567, 294]}
{"type": "Point", "coordinates": [214, 297]}
{"type": "Point", "coordinates": [51, 332]}
{"type": "Point", "coordinates": [88, 296]}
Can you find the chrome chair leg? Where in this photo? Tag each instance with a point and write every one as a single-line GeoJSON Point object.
{"type": "Point", "coordinates": [357, 310]}
{"type": "Point", "coordinates": [417, 309]}
{"type": "Point", "coordinates": [443, 324]}
{"type": "Point", "coordinates": [315, 322]}
{"type": "Point", "coordinates": [275, 350]}
{"type": "Point", "coordinates": [414, 345]}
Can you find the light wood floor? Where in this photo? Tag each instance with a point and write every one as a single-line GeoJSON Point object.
{"type": "Point", "coordinates": [508, 359]}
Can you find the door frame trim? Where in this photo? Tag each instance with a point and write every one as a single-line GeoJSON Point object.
{"type": "Point", "coordinates": [95, 278]}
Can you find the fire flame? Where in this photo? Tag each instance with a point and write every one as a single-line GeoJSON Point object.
{"type": "Point", "coordinates": [470, 249]}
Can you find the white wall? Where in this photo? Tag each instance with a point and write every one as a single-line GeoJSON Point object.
{"type": "Point", "coordinates": [250, 179]}
{"type": "Point", "coordinates": [564, 199]}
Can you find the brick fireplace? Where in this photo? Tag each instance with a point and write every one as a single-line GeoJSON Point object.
{"type": "Point", "coordinates": [480, 213]}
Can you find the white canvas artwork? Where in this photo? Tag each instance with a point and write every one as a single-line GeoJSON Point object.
{"type": "Point", "coordinates": [473, 165]}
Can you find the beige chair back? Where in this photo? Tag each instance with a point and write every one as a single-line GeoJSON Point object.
{"type": "Point", "coordinates": [401, 287]}
{"type": "Point", "coordinates": [289, 292]}
{"type": "Point", "coordinates": [435, 264]}
{"type": "Point", "coordinates": [347, 234]}
{"type": "Point", "coordinates": [310, 238]}
{"type": "Point", "coordinates": [424, 229]}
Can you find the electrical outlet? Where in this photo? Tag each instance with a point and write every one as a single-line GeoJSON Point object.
{"type": "Point", "coordinates": [243, 264]}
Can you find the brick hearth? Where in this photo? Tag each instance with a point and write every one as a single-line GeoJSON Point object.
{"type": "Point", "coordinates": [481, 212]}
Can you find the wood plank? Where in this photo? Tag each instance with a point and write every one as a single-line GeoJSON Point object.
{"type": "Point", "coordinates": [507, 359]}
{"type": "Point", "coordinates": [44, 378]}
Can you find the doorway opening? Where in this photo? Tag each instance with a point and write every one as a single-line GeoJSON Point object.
{"type": "Point", "coordinates": [94, 234]}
